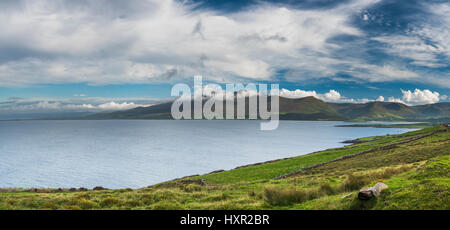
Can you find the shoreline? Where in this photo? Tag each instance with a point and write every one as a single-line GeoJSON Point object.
{"type": "Point", "coordinates": [73, 189]}
{"type": "Point", "coordinates": [328, 179]}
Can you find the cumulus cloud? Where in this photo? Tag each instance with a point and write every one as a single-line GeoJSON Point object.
{"type": "Point", "coordinates": [118, 106]}
{"type": "Point", "coordinates": [397, 100]}
{"type": "Point", "coordinates": [330, 96]}
{"type": "Point", "coordinates": [417, 97]}
{"type": "Point", "coordinates": [408, 97]}
{"type": "Point", "coordinates": [298, 93]}
{"type": "Point", "coordinates": [420, 96]}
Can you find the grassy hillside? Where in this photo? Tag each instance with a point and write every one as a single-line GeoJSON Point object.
{"type": "Point", "coordinates": [415, 166]}
{"type": "Point", "coordinates": [311, 108]}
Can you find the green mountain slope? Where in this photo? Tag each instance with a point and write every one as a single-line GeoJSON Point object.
{"type": "Point", "coordinates": [375, 111]}
{"type": "Point", "coordinates": [311, 108]}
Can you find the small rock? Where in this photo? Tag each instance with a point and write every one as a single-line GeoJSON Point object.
{"type": "Point", "coordinates": [72, 189]}
{"type": "Point", "coordinates": [370, 192]}
{"type": "Point", "coordinates": [82, 189]}
{"type": "Point", "coordinates": [98, 188]}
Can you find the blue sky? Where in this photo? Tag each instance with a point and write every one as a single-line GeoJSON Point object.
{"type": "Point", "coordinates": [105, 55]}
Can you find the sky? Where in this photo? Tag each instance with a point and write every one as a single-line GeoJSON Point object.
{"type": "Point", "coordinates": [105, 55]}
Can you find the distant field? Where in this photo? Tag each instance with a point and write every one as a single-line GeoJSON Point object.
{"type": "Point", "coordinates": [409, 125]}
{"type": "Point", "coordinates": [417, 173]}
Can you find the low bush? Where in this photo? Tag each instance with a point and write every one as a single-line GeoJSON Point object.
{"type": "Point", "coordinates": [108, 202]}
{"type": "Point", "coordinates": [353, 183]}
{"type": "Point", "coordinates": [277, 196]}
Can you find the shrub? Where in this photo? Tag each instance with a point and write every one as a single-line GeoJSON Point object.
{"type": "Point", "coordinates": [389, 172]}
{"type": "Point", "coordinates": [29, 203]}
{"type": "Point", "coordinates": [167, 205]}
{"type": "Point", "coordinates": [108, 202]}
{"type": "Point", "coordinates": [219, 197]}
{"type": "Point", "coordinates": [148, 198]}
{"type": "Point", "coordinates": [84, 204]}
{"type": "Point", "coordinates": [50, 205]}
{"type": "Point", "coordinates": [192, 188]}
{"type": "Point", "coordinates": [353, 183]}
{"type": "Point", "coordinates": [84, 196]}
{"type": "Point", "coordinates": [326, 189]}
{"type": "Point", "coordinates": [277, 196]}
{"type": "Point", "coordinates": [71, 207]}
{"type": "Point", "coordinates": [132, 203]}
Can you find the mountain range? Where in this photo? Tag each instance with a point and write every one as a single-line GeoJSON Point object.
{"type": "Point", "coordinates": [311, 108]}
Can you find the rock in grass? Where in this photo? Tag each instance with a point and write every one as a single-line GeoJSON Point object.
{"type": "Point", "coordinates": [370, 192]}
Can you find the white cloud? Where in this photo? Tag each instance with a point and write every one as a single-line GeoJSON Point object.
{"type": "Point", "coordinates": [109, 42]}
{"type": "Point", "coordinates": [330, 96]}
{"type": "Point", "coordinates": [105, 42]}
{"type": "Point", "coordinates": [412, 47]}
{"type": "Point", "coordinates": [380, 98]}
{"type": "Point", "coordinates": [118, 106]}
{"type": "Point", "coordinates": [298, 93]}
{"type": "Point", "coordinates": [374, 73]}
{"type": "Point", "coordinates": [39, 105]}
{"type": "Point", "coordinates": [438, 29]}
{"type": "Point", "coordinates": [397, 100]}
{"type": "Point", "coordinates": [333, 96]}
{"type": "Point", "coordinates": [420, 96]}
{"type": "Point", "coordinates": [417, 97]}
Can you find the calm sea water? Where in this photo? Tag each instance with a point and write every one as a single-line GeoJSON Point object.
{"type": "Point", "coordinates": [138, 153]}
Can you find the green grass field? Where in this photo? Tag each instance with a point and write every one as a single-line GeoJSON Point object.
{"type": "Point", "coordinates": [417, 173]}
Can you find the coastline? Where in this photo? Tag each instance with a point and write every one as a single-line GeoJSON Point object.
{"type": "Point", "coordinates": [414, 165]}
{"type": "Point", "coordinates": [350, 142]}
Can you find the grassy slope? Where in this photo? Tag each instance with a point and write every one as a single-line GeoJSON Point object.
{"type": "Point", "coordinates": [417, 174]}
{"type": "Point", "coordinates": [311, 108]}
{"type": "Point", "coordinates": [407, 126]}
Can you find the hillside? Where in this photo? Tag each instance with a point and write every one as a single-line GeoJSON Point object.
{"type": "Point", "coordinates": [311, 108]}
{"type": "Point", "coordinates": [414, 165]}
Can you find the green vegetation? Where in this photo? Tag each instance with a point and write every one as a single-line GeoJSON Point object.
{"type": "Point", "coordinates": [417, 173]}
{"type": "Point", "coordinates": [407, 126]}
{"type": "Point", "coordinates": [311, 108]}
